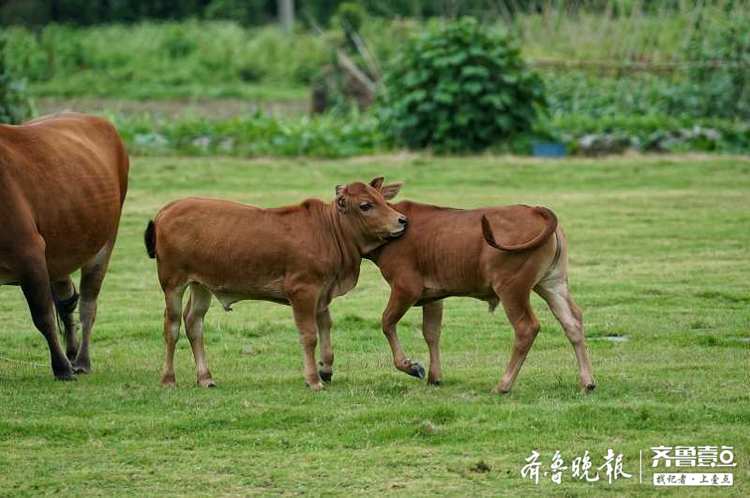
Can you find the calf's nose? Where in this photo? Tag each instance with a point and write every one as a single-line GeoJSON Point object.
{"type": "Point", "coordinates": [403, 221]}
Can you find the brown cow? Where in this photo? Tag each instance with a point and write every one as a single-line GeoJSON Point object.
{"type": "Point", "coordinates": [453, 252]}
{"type": "Point", "coordinates": [63, 181]}
{"type": "Point", "coordinates": [302, 255]}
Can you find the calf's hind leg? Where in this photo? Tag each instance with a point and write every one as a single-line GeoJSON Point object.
{"type": "Point", "coordinates": [432, 318]}
{"type": "Point", "coordinates": [525, 327]}
{"type": "Point", "coordinates": [92, 276]}
{"type": "Point", "coordinates": [200, 301]}
{"type": "Point", "coordinates": [557, 296]}
{"type": "Point", "coordinates": [172, 318]}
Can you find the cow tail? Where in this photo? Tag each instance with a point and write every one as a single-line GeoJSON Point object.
{"type": "Point", "coordinates": [551, 224]}
{"type": "Point", "coordinates": [149, 237]}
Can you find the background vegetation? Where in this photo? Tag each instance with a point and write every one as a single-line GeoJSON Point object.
{"type": "Point", "coordinates": [680, 64]}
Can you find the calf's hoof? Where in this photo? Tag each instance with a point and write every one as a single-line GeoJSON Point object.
{"type": "Point", "coordinates": [434, 382]}
{"type": "Point", "coordinates": [168, 381]}
{"type": "Point", "coordinates": [318, 386]}
{"type": "Point", "coordinates": [416, 370]}
{"type": "Point", "coordinates": [589, 388]}
{"type": "Point", "coordinates": [325, 376]}
{"type": "Point", "coordinates": [206, 382]}
{"type": "Point", "coordinates": [502, 391]}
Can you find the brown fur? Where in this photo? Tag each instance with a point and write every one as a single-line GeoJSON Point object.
{"type": "Point", "coordinates": [63, 181]}
{"type": "Point", "coordinates": [452, 252]}
{"type": "Point", "coordinates": [302, 255]}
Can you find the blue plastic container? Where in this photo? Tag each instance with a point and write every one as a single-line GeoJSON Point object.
{"type": "Point", "coordinates": [548, 149]}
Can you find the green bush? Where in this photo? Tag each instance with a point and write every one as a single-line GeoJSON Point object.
{"type": "Point", "coordinates": [15, 105]}
{"type": "Point", "coordinates": [459, 87]}
{"type": "Point", "coordinates": [349, 17]}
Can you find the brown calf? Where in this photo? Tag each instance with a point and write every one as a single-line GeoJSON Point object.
{"type": "Point", "coordinates": [452, 252]}
{"type": "Point", "coordinates": [303, 255]}
{"type": "Point", "coordinates": [63, 181]}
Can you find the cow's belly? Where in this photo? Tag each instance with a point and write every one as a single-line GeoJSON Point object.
{"type": "Point", "coordinates": [8, 279]}
{"type": "Point", "coordinates": [228, 294]}
{"type": "Point", "coordinates": [67, 256]}
{"type": "Point", "coordinates": [445, 287]}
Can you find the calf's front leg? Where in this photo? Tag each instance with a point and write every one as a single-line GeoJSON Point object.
{"type": "Point", "coordinates": [304, 305]}
{"type": "Point", "coordinates": [398, 304]}
{"type": "Point", "coordinates": [326, 350]}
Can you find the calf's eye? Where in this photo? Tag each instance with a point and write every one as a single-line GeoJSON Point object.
{"type": "Point", "coordinates": [365, 206]}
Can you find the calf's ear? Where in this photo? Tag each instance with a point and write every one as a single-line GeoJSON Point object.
{"type": "Point", "coordinates": [391, 191]}
{"type": "Point", "coordinates": [341, 204]}
{"type": "Point", "coordinates": [340, 201]}
{"type": "Point", "coordinates": [377, 182]}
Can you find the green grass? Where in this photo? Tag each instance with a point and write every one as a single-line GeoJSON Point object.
{"type": "Point", "coordinates": [660, 255]}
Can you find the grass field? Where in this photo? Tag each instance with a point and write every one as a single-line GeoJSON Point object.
{"type": "Point", "coordinates": [660, 256]}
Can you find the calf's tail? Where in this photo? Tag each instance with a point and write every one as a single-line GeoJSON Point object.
{"type": "Point", "coordinates": [549, 229]}
{"type": "Point", "coordinates": [149, 237]}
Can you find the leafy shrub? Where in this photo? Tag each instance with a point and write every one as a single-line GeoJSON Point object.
{"type": "Point", "coordinates": [177, 42]}
{"type": "Point", "coordinates": [15, 105]}
{"type": "Point", "coordinates": [457, 87]}
{"type": "Point", "coordinates": [349, 17]}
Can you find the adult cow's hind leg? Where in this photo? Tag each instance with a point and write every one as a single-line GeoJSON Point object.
{"type": "Point", "coordinates": [92, 275]}
{"type": "Point", "coordinates": [200, 301]}
{"type": "Point", "coordinates": [66, 301]}
{"type": "Point", "coordinates": [37, 290]}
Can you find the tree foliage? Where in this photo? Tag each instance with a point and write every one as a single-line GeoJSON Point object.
{"type": "Point", "coordinates": [15, 105]}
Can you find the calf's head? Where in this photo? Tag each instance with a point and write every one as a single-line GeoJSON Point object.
{"type": "Point", "coordinates": [364, 210]}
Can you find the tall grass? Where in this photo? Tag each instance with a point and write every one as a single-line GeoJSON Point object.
{"type": "Point", "coordinates": [625, 30]}
{"type": "Point", "coordinates": [222, 58]}
{"type": "Point", "coordinates": [163, 59]}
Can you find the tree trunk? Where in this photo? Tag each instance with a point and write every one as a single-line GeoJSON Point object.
{"type": "Point", "coordinates": [286, 15]}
